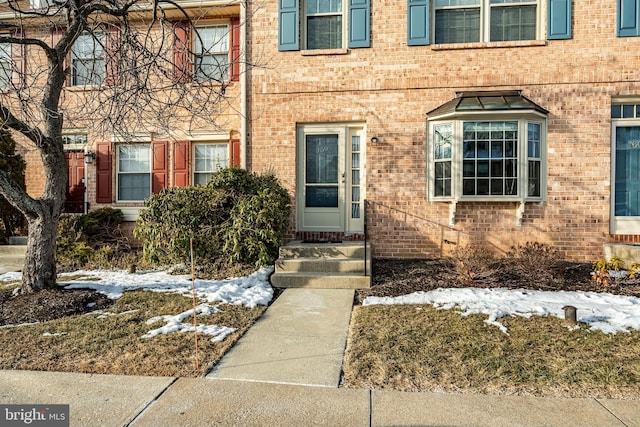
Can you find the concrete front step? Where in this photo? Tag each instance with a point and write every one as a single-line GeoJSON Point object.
{"type": "Point", "coordinates": [13, 250]}
{"type": "Point", "coordinates": [298, 249]}
{"type": "Point", "coordinates": [322, 265]}
{"type": "Point", "coordinates": [319, 280]}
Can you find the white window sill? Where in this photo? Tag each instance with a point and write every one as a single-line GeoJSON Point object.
{"type": "Point", "coordinates": [488, 45]}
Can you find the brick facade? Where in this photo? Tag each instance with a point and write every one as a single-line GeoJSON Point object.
{"type": "Point", "coordinates": [390, 86]}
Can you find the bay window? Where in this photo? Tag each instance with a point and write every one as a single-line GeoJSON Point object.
{"type": "Point", "coordinates": [481, 148]}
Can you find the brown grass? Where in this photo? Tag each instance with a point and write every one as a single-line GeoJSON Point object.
{"type": "Point", "coordinates": [419, 348]}
{"type": "Point", "coordinates": [113, 344]}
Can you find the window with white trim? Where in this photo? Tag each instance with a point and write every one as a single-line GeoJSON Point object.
{"type": "Point", "coordinates": [323, 21]}
{"type": "Point", "coordinates": [5, 65]}
{"type": "Point", "coordinates": [487, 145]}
{"type": "Point", "coordinates": [87, 60]}
{"type": "Point", "coordinates": [486, 159]}
{"type": "Point", "coordinates": [468, 21]}
{"type": "Point", "coordinates": [211, 47]}
{"type": "Point", "coordinates": [134, 172]}
{"type": "Point", "coordinates": [207, 159]}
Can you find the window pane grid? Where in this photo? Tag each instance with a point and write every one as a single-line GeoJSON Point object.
{"type": "Point", "coordinates": [212, 53]}
{"type": "Point", "coordinates": [209, 158]}
{"type": "Point", "coordinates": [87, 60]}
{"type": "Point", "coordinates": [487, 170]}
{"type": "Point", "coordinates": [355, 177]}
{"type": "Point", "coordinates": [134, 172]}
{"type": "Point", "coordinates": [464, 21]}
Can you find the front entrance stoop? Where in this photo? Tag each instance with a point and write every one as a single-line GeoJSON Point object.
{"type": "Point", "coordinates": [343, 265]}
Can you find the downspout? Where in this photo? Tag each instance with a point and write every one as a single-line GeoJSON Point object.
{"type": "Point", "coordinates": [243, 85]}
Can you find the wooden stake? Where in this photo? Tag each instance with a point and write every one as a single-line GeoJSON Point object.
{"type": "Point", "coordinates": [193, 293]}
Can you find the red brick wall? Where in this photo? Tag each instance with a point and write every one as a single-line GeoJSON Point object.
{"type": "Point", "coordinates": [391, 86]}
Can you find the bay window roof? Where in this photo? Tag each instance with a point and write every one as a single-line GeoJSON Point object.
{"type": "Point", "coordinates": [487, 101]}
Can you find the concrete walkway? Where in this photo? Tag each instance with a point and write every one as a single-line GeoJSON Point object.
{"type": "Point", "coordinates": [109, 400]}
{"type": "Point", "coordinates": [300, 339]}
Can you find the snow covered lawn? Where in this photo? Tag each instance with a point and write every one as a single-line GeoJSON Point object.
{"type": "Point", "coordinates": [604, 312]}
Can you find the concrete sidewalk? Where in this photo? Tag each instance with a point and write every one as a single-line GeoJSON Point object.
{"type": "Point", "coordinates": [300, 339]}
{"type": "Point", "coordinates": [109, 400]}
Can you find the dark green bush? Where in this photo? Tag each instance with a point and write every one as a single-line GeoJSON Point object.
{"type": "Point", "coordinates": [11, 219]}
{"type": "Point", "coordinates": [238, 217]}
{"type": "Point", "coordinates": [89, 238]}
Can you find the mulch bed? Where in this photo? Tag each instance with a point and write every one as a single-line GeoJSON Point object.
{"type": "Point", "coordinates": [48, 305]}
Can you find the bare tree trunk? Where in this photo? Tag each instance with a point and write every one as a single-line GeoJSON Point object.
{"type": "Point", "coordinates": [39, 271]}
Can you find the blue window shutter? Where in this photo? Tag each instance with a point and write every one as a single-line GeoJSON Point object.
{"type": "Point", "coordinates": [418, 22]}
{"type": "Point", "coordinates": [288, 24]}
{"type": "Point", "coordinates": [558, 19]}
{"type": "Point", "coordinates": [628, 18]}
{"type": "Point", "coordinates": [359, 23]}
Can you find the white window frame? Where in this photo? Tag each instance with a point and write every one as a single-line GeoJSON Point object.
{"type": "Point", "coordinates": [304, 26]}
{"type": "Point", "coordinates": [457, 122]}
{"type": "Point", "coordinates": [119, 173]}
{"type": "Point", "coordinates": [485, 7]}
{"type": "Point", "coordinates": [219, 48]}
{"type": "Point", "coordinates": [625, 225]}
{"type": "Point", "coordinates": [195, 172]}
{"type": "Point", "coordinates": [98, 40]}
{"type": "Point", "coordinates": [6, 62]}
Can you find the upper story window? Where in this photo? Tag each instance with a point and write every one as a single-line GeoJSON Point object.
{"type": "Point", "coordinates": [87, 60]}
{"type": "Point", "coordinates": [6, 71]}
{"type": "Point", "coordinates": [211, 47]}
{"type": "Point", "coordinates": [487, 146]}
{"type": "Point", "coordinates": [326, 24]}
{"type": "Point", "coordinates": [465, 21]}
{"type": "Point", "coordinates": [476, 21]}
{"type": "Point", "coordinates": [209, 158]}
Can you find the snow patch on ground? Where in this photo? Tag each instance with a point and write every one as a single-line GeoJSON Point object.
{"type": "Point", "coordinates": [604, 312]}
{"type": "Point", "coordinates": [248, 291]}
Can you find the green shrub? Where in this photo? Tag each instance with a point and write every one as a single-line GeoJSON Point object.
{"type": "Point", "coordinates": [93, 238]}
{"type": "Point", "coordinates": [237, 217]}
{"type": "Point", "coordinates": [11, 219]}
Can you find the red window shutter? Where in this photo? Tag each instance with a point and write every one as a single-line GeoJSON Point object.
{"type": "Point", "coordinates": [112, 55]}
{"type": "Point", "coordinates": [18, 58]}
{"type": "Point", "coordinates": [158, 166]}
{"type": "Point", "coordinates": [234, 147]}
{"type": "Point", "coordinates": [181, 49]}
{"type": "Point", "coordinates": [104, 181]}
{"type": "Point", "coordinates": [234, 60]}
{"type": "Point", "coordinates": [181, 163]}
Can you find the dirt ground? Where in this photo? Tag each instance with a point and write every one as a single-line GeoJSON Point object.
{"type": "Point", "coordinates": [391, 277]}
{"type": "Point", "coordinates": [48, 305]}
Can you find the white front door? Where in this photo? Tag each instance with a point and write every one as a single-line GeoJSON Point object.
{"type": "Point", "coordinates": [330, 178]}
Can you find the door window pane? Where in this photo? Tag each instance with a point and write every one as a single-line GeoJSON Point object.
{"type": "Point", "coordinates": [322, 159]}
{"type": "Point", "coordinates": [321, 168]}
{"type": "Point", "coordinates": [627, 173]}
